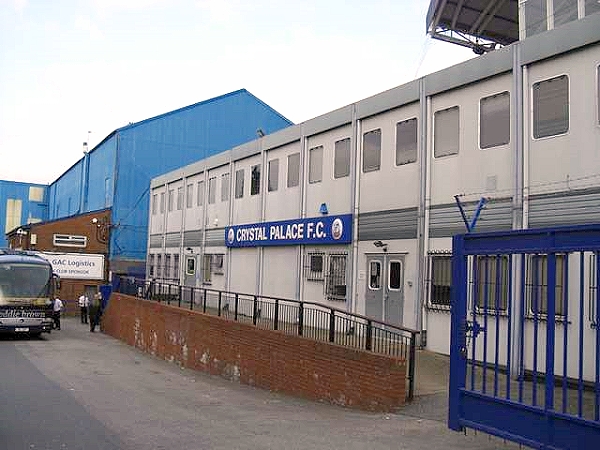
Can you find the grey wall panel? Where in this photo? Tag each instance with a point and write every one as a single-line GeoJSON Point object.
{"type": "Point", "coordinates": [282, 137]}
{"type": "Point", "coordinates": [156, 240]}
{"type": "Point", "coordinates": [479, 68]}
{"type": "Point", "coordinates": [562, 39]}
{"type": "Point", "coordinates": [215, 237]}
{"type": "Point", "coordinates": [394, 224]}
{"type": "Point", "coordinates": [445, 220]}
{"type": "Point", "coordinates": [328, 121]}
{"type": "Point", "coordinates": [172, 239]}
{"type": "Point", "coordinates": [565, 208]}
{"type": "Point", "coordinates": [192, 238]}
{"type": "Point", "coordinates": [398, 96]}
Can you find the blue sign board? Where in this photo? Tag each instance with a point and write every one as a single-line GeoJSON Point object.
{"type": "Point", "coordinates": [310, 231]}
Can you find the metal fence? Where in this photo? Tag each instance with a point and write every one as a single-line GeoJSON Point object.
{"type": "Point", "coordinates": [307, 319]}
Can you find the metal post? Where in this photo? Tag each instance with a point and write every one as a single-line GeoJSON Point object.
{"type": "Point", "coordinates": [276, 314]}
{"type": "Point", "coordinates": [204, 302]}
{"type": "Point", "coordinates": [369, 337]}
{"type": "Point", "coordinates": [411, 367]}
{"type": "Point", "coordinates": [219, 309]}
{"type": "Point", "coordinates": [180, 291]}
{"type": "Point", "coordinates": [236, 306]}
{"type": "Point", "coordinates": [332, 326]}
{"type": "Point", "coordinates": [192, 290]}
{"type": "Point", "coordinates": [300, 319]}
{"type": "Point", "coordinates": [254, 310]}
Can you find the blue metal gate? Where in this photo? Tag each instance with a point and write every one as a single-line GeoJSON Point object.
{"type": "Point", "coordinates": [525, 340]}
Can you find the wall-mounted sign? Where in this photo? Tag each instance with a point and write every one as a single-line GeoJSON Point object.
{"type": "Point", "coordinates": [79, 266]}
{"type": "Point", "coordinates": [310, 231]}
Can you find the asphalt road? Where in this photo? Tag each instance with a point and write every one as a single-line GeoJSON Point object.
{"type": "Point", "coordinates": [77, 390]}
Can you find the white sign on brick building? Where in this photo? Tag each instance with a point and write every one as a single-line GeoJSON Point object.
{"type": "Point", "coordinates": [78, 266]}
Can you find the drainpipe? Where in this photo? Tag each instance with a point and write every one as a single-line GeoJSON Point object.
{"type": "Point", "coordinates": [356, 145]}
{"type": "Point", "coordinates": [230, 222]}
{"type": "Point", "coordinates": [423, 216]}
{"type": "Point", "coordinates": [302, 214]}
{"type": "Point", "coordinates": [182, 231]}
{"type": "Point", "coordinates": [263, 193]}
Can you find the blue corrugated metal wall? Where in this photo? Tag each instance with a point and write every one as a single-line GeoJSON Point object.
{"type": "Point", "coordinates": [159, 145]}
{"type": "Point", "coordinates": [64, 193]}
{"type": "Point", "coordinates": [29, 209]}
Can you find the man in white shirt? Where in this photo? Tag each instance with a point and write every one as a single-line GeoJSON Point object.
{"type": "Point", "coordinates": [84, 302]}
{"type": "Point", "coordinates": [57, 307]}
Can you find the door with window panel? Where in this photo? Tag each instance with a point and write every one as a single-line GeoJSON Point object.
{"type": "Point", "coordinates": [385, 288]}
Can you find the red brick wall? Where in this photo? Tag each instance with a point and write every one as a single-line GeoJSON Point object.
{"type": "Point", "coordinates": [262, 358]}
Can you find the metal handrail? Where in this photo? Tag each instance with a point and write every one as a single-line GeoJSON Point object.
{"type": "Point", "coordinates": [309, 319]}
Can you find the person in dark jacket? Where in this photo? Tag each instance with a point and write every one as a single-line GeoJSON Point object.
{"type": "Point", "coordinates": [95, 311]}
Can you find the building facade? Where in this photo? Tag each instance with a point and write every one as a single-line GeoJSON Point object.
{"type": "Point", "coordinates": [21, 203]}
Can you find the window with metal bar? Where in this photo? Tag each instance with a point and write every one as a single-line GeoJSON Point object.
{"type": "Point", "coordinates": [313, 266]}
{"type": "Point", "coordinates": [491, 282]}
{"type": "Point", "coordinates": [440, 281]}
{"type": "Point", "coordinates": [217, 263]}
{"type": "Point", "coordinates": [335, 285]}
{"type": "Point", "coordinates": [206, 269]}
{"type": "Point", "coordinates": [537, 285]}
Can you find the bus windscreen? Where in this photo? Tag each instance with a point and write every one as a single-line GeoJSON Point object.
{"type": "Point", "coordinates": [22, 283]}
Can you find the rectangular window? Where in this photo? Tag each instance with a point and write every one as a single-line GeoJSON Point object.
{"type": "Point", "coordinates": [565, 11]}
{"type": "Point", "coordinates": [189, 195]}
{"type": "Point", "coordinates": [13, 214]}
{"type": "Point", "coordinates": [176, 267]}
{"type": "Point", "coordinates": [255, 180]}
{"type": "Point", "coordinates": [440, 281]}
{"type": "Point", "coordinates": [293, 170]}
{"type": "Point", "coordinates": [200, 193]}
{"type": "Point", "coordinates": [335, 286]}
{"type": "Point", "coordinates": [167, 266]}
{"type": "Point", "coordinates": [591, 7]}
{"type": "Point", "coordinates": [491, 281]}
{"type": "Point", "coordinates": [406, 142]}
{"type": "Point", "coordinates": [537, 284]}
{"type": "Point", "coordinates": [239, 183]}
{"type": "Point", "coordinates": [68, 240]}
{"type": "Point", "coordinates": [273, 182]}
{"type": "Point", "coordinates": [225, 187]}
{"type": "Point", "coordinates": [446, 132]}
{"type": "Point", "coordinates": [36, 194]}
{"type": "Point", "coordinates": [180, 198]}
{"type": "Point", "coordinates": [158, 266]}
{"type": "Point", "coordinates": [107, 192]}
{"type": "Point", "coordinates": [162, 202]}
{"type": "Point", "coordinates": [535, 17]}
{"type": "Point", "coordinates": [151, 268]}
{"type": "Point", "coordinates": [315, 164]}
{"type": "Point", "coordinates": [375, 275]}
{"type": "Point", "coordinates": [190, 265]}
{"type": "Point", "coordinates": [171, 200]}
{"type": "Point", "coordinates": [551, 107]}
{"type": "Point", "coordinates": [313, 266]}
{"type": "Point", "coordinates": [154, 203]}
{"type": "Point", "coordinates": [217, 263]}
{"type": "Point", "coordinates": [372, 150]}
{"type": "Point", "coordinates": [212, 190]}
{"type": "Point", "coordinates": [206, 266]}
{"type": "Point", "coordinates": [341, 159]}
{"type": "Point", "coordinates": [494, 120]}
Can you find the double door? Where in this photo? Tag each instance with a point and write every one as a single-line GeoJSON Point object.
{"type": "Point", "coordinates": [385, 287]}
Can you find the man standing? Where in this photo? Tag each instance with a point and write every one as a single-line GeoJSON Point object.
{"type": "Point", "coordinates": [56, 308]}
{"type": "Point", "coordinates": [95, 310]}
{"type": "Point", "coordinates": [84, 302]}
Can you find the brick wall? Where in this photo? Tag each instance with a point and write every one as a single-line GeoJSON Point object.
{"type": "Point", "coordinates": [262, 358]}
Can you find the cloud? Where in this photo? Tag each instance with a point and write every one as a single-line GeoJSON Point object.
{"type": "Point", "coordinates": [85, 24]}
{"type": "Point", "coordinates": [20, 5]}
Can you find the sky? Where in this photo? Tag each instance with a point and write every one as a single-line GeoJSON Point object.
{"type": "Point", "coordinates": [73, 71]}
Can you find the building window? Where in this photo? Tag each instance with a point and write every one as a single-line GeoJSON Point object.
{"type": "Point", "coordinates": [206, 272]}
{"type": "Point", "coordinates": [189, 195]}
{"type": "Point", "coordinates": [68, 240]}
{"type": "Point", "coordinates": [36, 194]}
{"type": "Point", "coordinates": [176, 267]}
{"type": "Point", "coordinates": [315, 164]}
{"type": "Point", "coordinates": [293, 170]}
{"type": "Point", "coordinates": [239, 183]}
{"type": "Point", "coordinates": [375, 275]}
{"type": "Point", "coordinates": [535, 17]}
{"type": "Point", "coordinates": [255, 180]}
{"type": "Point", "coordinates": [494, 120]}
{"type": "Point", "coordinates": [167, 266]}
{"type": "Point", "coordinates": [565, 11]}
{"type": "Point", "coordinates": [591, 7]}
{"type": "Point", "coordinates": [179, 198]}
{"type": "Point", "coordinates": [335, 285]}
{"type": "Point", "coordinates": [225, 187]}
{"type": "Point", "coordinates": [551, 107]}
{"type": "Point", "coordinates": [212, 190]}
{"type": "Point", "coordinates": [154, 204]}
{"type": "Point", "coordinates": [313, 266]}
{"type": "Point", "coordinates": [273, 181]}
{"type": "Point", "coordinates": [372, 150]}
{"type": "Point", "coordinates": [341, 159]}
{"type": "Point", "coordinates": [395, 278]}
{"type": "Point", "coordinates": [446, 132]}
{"type": "Point", "coordinates": [158, 266]}
{"type": "Point", "coordinates": [107, 192]}
{"type": "Point", "coordinates": [440, 281]}
{"type": "Point", "coordinates": [491, 282]}
{"type": "Point", "coordinates": [190, 265]}
{"type": "Point", "coordinates": [537, 284]}
{"type": "Point", "coordinates": [14, 209]}
{"type": "Point", "coordinates": [217, 263]}
{"type": "Point", "coordinates": [200, 193]}
{"type": "Point", "coordinates": [151, 271]}
{"type": "Point", "coordinates": [170, 200]}
{"type": "Point", "coordinates": [406, 142]}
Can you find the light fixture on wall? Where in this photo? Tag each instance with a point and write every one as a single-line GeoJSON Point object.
{"type": "Point", "coordinates": [103, 227]}
{"type": "Point", "coordinates": [382, 245]}
{"type": "Point", "coordinates": [323, 209]}
{"type": "Point", "coordinates": [189, 250]}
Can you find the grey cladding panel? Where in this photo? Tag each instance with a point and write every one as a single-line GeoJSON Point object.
{"type": "Point", "coordinates": [328, 121]}
{"type": "Point", "coordinates": [393, 98]}
{"type": "Point", "coordinates": [564, 209]}
{"type": "Point", "coordinates": [445, 220]}
{"type": "Point", "coordinates": [156, 240]}
{"type": "Point", "coordinates": [172, 239]}
{"type": "Point", "coordinates": [395, 224]}
{"type": "Point", "coordinates": [192, 238]}
{"type": "Point", "coordinates": [215, 237]}
{"type": "Point", "coordinates": [282, 137]}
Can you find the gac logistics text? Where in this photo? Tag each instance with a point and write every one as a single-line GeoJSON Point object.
{"type": "Point", "coordinates": [327, 230]}
{"type": "Point", "coordinates": [63, 263]}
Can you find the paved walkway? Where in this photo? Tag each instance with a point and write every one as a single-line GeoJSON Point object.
{"type": "Point", "coordinates": [153, 404]}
